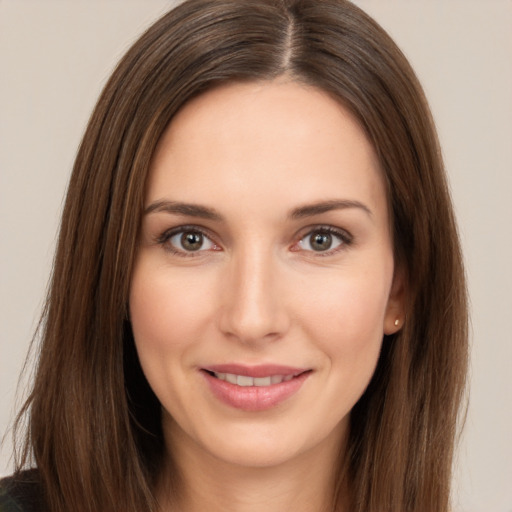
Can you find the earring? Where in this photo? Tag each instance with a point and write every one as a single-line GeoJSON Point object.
{"type": "Point", "coordinates": [397, 322]}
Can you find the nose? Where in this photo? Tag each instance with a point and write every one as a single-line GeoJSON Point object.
{"type": "Point", "coordinates": [253, 309]}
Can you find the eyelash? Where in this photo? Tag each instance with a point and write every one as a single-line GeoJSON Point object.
{"type": "Point", "coordinates": [345, 238]}
{"type": "Point", "coordinates": [166, 236]}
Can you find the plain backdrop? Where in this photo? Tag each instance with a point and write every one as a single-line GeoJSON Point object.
{"type": "Point", "coordinates": [55, 56]}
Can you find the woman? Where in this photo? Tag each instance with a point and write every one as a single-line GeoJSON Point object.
{"type": "Point", "coordinates": [258, 297]}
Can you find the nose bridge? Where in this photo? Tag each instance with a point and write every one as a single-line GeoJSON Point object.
{"type": "Point", "coordinates": [252, 305]}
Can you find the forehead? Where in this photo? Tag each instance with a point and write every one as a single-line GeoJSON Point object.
{"type": "Point", "coordinates": [281, 139]}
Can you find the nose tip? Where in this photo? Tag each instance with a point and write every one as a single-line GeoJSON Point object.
{"type": "Point", "coordinates": [253, 309]}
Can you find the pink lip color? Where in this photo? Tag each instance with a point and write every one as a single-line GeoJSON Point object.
{"type": "Point", "coordinates": [254, 398]}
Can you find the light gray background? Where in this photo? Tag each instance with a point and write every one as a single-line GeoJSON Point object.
{"type": "Point", "coordinates": [56, 55]}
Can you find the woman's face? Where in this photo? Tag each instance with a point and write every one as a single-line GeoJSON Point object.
{"type": "Point", "coordinates": [264, 281]}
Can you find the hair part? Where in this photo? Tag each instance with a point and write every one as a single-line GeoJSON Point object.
{"type": "Point", "coordinates": [94, 423]}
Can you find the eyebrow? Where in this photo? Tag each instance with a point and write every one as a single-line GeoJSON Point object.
{"type": "Point", "coordinates": [188, 209]}
{"type": "Point", "coordinates": [310, 210]}
{"type": "Point", "coordinates": [205, 212]}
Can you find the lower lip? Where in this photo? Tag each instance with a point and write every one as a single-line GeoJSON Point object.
{"type": "Point", "coordinates": [254, 398]}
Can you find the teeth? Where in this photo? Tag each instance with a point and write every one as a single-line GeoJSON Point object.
{"type": "Point", "coordinates": [245, 381]}
{"type": "Point", "coordinates": [262, 381]}
{"type": "Point", "coordinates": [231, 378]}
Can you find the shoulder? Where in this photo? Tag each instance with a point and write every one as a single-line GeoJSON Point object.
{"type": "Point", "coordinates": [21, 493]}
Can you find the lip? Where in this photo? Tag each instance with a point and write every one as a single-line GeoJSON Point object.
{"type": "Point", "coordinates": [262, 370]}
{"type": "Point", "coordinates": [254, 398]}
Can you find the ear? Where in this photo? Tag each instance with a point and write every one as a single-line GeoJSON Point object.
{"type": "Point", "coordinates": [394, 317]}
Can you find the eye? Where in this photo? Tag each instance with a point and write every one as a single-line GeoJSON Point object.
{"type": "Point", "coordinates": [324, 240]}
{"type": "Point", "coordinates": [186, 241]}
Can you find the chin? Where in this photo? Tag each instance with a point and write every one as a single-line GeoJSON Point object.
{"type": "Point", "coordinates": [265, 444]}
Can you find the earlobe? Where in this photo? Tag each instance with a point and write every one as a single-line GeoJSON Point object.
{"type": "Point", "coordinates": [395, 311]}
{"type": "Point", "coordinates": [392, 326]}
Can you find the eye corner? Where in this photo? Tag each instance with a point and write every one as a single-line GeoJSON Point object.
{"type": "Point", "coordinates": [295, 247]}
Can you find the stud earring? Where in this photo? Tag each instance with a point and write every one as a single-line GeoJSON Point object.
{"type": "Point", "coordinates": [397, 322]}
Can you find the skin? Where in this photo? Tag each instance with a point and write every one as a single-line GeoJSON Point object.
{"type": "Point", "coordinates": [257, 291]}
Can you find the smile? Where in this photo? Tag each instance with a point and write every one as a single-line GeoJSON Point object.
{"type": "Point", "coordinates": [254, 388]}
{"type": "Point", "coordinates": [246, 381]}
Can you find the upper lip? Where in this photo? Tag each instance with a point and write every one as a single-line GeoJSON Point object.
{"type": "Point", "coordinates": [263, 370]}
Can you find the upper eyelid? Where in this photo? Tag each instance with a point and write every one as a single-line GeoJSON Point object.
{"type": "Point", "coordinates": [343, 233]}
{"type": "Point", "coordinates": [168, 233]}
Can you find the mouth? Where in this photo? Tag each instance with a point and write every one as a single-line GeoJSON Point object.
{"type": "Point", "coordinates": [254, 388]}
{"type": "Point", "coordinates": [248, 381]}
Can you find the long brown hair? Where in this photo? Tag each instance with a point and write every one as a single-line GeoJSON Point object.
{"type": "Point", "coordinates": [94, 424]}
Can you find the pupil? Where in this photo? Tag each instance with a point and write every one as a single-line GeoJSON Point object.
{"type": "Point", "coordinates": [192, 241]}
{"type": "Point", "coordinates": [321, 241]}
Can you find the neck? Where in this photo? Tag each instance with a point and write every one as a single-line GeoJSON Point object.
{"type": "Point", "coordinates": [205, 482]}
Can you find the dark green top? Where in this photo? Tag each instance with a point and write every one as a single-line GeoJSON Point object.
{"type": "Point", "coordinates": [21, 493]}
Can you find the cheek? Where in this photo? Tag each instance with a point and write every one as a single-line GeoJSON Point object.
{"type": "Point", "coordinates": [167, 313]}
{"type": "Point", "coordinates": [346, 318]}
